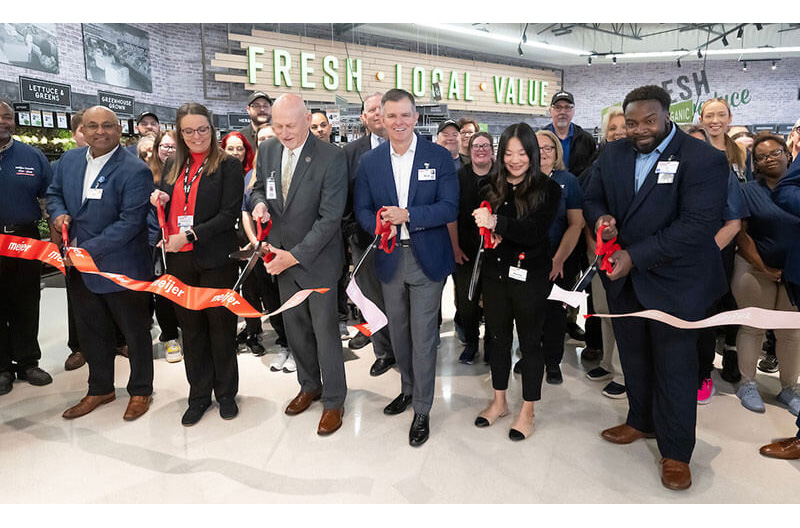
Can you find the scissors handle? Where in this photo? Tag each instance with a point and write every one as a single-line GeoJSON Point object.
{"type": "Point", "coordinates": [485, 233]}
{"type": "Point", "coordinates": [384, 231]}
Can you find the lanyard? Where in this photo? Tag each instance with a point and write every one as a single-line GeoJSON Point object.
{"type": "Point", "coordinates": [187, 187]}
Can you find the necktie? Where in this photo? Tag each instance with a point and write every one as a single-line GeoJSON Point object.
{"type": "Point", "coordinates": [286, 176]}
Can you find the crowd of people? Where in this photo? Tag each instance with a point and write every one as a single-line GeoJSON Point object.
{"type": "Point", "coordinates": [704, 222]}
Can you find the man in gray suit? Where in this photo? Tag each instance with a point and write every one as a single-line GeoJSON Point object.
{"type": "Point", "coordinates": [301, 184]}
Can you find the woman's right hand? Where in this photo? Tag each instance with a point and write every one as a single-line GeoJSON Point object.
{"type": "Point", "coordinates": [158, 197]}
{"type": "Point", "coordinates": [773, 273]}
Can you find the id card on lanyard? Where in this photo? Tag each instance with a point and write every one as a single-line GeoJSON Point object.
{"type": "Point", "coordinates": [186, 221]}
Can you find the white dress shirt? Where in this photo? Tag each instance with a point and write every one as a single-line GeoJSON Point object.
{"type": "Point", "coordinates": [401, 167]}
{"type": "Point", "coordinates": [93, 168]}
{"type": "Point", "coordinates": [375, 140]}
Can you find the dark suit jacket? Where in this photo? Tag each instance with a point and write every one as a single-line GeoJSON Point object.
{"type": "Point", "coordinates": [350, 226]}
{"type": "Point", "coordinates": [216, 211]}
{"type": "Point", "coordinates": [309, 224]}
{"type": "Point", "coordinates": [112, 229]}
{"type": "Point", "coordinates": [668, 229]}
{"type": "Point", "coordinates": [431, 205]}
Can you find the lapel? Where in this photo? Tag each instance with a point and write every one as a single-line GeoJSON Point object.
{"type": "Point", "coordinates": [274, 170]}
{"type": "Point", "coordinates": [418, 156]}
{"type": "Point", "coordinates": [385, 160]}
{"type": "Point", "coordinates": [105, 173]}
{"type": "Point", "coordinates": [73, 184]}
{"type": "Point", "coordinates": [651, 179]}
{"type": "Point", "coordinates": [304, 161]}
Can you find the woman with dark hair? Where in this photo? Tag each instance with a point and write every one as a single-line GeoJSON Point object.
{"type": "Point", "coordinates": [235, 144]}
{"type": "Point", "coordinates": [465, 240]}
{"type": "Point", "coordinates": [202, 193]}
{"type": "Point", "coordinates": [515, 272]}
{"type": "Point", "coordinates": [163, 149]}
{"type": "Point", "coordinates": [768, 233]}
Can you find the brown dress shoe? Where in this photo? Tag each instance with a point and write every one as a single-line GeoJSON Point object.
{"type": "Point", "coordinates": [786, 449]}
{"type": "Point", "coordinates": [74, 361]}
{"type": "Point", "coordinates": [624, 434]}
{"type": "Point", "coordinates": [88, 404]}
{"type": "Point", "coordinates": [675, 475]}
{"type": "Point", "coordinates": [330, 422]}
{"type": "Point", "coordinates": [301, 402]}
{"type": "Point", "coordinates": [137, 406]}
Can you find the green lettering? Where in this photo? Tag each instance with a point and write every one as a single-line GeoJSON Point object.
{"type": "Point", "coordinates": [745, 96]}
{"type": "Point", "coordinates": [543, 94]}
{"type": "Point", "coordinates": [252, 64]}
{"type": "Point", "coordinates": [735, 99]}
{"type": "Point", "coordinates": [511, 92]}
{"type": "Point", "coordinates": [417, 83]}
{"type": "Point", "coordinates": [398, 76]}
{"type": "Point", "coordinates": [331, 79]}
{"type": "Point", "coordinates": [353, 68]}
{"type": "Point", "coordinates": [519, 91]}
{"type": "Point", "coordinates": [467, 95]}
{"type": "Point", "coordinates": [453, 91]}
{"type": "Point", "coordinates": [533, 92]}
{"type": "Point", "coordinates": [436, 76]}
{"type": "Point", "coordinates": [281, 64]}
{"type": "Point", "coordinates": [306, 70]}
{"type": "Point", "coordinates": [498, 88]}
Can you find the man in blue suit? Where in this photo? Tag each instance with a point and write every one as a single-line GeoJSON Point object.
{"type": "Point", "coordinates": [416, 182]}
{"type": "Point", "coordinates": [662, 193]}
{"type": "Point", "coordinates": [102, 194]}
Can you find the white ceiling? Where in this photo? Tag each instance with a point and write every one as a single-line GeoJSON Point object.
{"type": "Point", "coordinates": [545, 41]}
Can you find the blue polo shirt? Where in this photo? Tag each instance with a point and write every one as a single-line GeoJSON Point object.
{"type": "Point", "coordinates": [734, 204]}
{"type": "Point", "coordinates": [571, 198]}
{"type": "Point", "coordinates": [25, 175]}
{"type": "Point", "coordinates": [773, 230]}
{"type": "Point", "coordinates": [566, 143]}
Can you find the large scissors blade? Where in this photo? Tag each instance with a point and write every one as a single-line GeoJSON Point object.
{"type": "Point", "coordinates": [476, 272]}
{"type": "Point", "coordinates": [251, 263]}
{"type": "Point", "coordinates": [586, 277]}
{"type": "Point", "coordinates": [372, 246]}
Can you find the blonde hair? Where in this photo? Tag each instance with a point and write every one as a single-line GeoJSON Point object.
{"type": "Point", "coordinates": [732, 150]}
{"type": "Point", "coordinates": [558, 164]}
{"type": "Point", "coordinates": [613, 112]}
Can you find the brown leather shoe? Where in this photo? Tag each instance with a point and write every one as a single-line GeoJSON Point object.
{"type": "Point", "coordinates": [330, 422]}
{"type": "Point", "coordinates": [87, 405]}
{"type": "Point", "coordinates": [786, 449]}
{"type": "Point", "coordinates": [301, 402]}
{"type": "Point", "coordinates": [74, 361]}
{"type": "Point", "coordinates": [624, 434]}
{"type": "Point", "coordinates": [675, 475]}
{"type": "Point", "coordinates": [137, 406]}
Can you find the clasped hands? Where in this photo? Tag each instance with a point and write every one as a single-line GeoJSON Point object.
{"type": "Point", "coordinates": [621, 263]}
{"type": "Point", "coordinates": [483, 218]}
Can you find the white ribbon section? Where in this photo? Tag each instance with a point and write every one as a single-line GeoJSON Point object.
{"type": "Point", "coordinates": [374, 316]}
{"type": "Point", "coordinates": [577, 300]}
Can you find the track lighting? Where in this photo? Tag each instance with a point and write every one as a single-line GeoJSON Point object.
{"type": "Point", "coordinates": [744, 66]}
{"type": "Point", "coordinates": [699, 54]}
{"type": "Point", "coordinates": [679, 63]}
{"type": "Point", "coordinates": [724, 40]}
{"type": "Point", "coordinates": [774, 65]}
{"type": "Point", "coordinates": [759, 27]}
{"type": "Point", "coordinates": [589, 60]}
{"type": "Point", "coordinates": [519, 49]}
{"type": "Point", "coordinates": [614, 61]}
{"type": "Point", "coordinates": [739, 34]}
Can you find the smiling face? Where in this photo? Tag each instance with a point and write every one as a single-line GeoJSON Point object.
{"type": "Point", "coordinates": [770, 158]}
{"type": "Point", "coordinates": [235, 148]}
{"type": "Point", "coordinates": [466, 132]}
{"type": "Point", "coordinates": [101, 129]}
{"type": "Point", "coordinates": [716, 118]}
{"type": "Point", "coordinates": [547, 153]}
{"type": "Point", "coordinates": [290, 121]}
{"type": "Point", "coordinates": [260, 111]}
{"type": "Point", "coordinates": [481, 152]}
{"type": "Point", "coordinates": [399, 119]}
{"type": "Point", "coordinates": [196, 133]}
{"type": "Point", "coordinates": [449, 139]}
{"type": "Point", "coordinates": [148, 126]}
{"type": "Point", "coordinates": [371, 117]}
{"type": "Point", "coordinates": [167, 148]}
{"type": "Point", "coordinates": [6, 123]}
{"type": "Point", "coordinates": [646, 122]}
{"type": "Point", "coordinates": [515, 158]}
{"type": "Point", "coordinates": [616, 128]}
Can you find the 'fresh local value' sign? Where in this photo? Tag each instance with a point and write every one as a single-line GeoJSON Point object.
{"type": "Point", "coordinates": [277, 63]}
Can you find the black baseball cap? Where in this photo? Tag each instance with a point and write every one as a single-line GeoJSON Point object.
{"type": "Point", "coordinates": [445, 124]}
{"type": "Point", "coordinates": [145, 114]}
{"type": "Point", "coordinates": [256, 95]}
{"type": "Point", "coordinates": [558, 96]}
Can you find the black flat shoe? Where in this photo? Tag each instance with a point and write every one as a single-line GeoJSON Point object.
{"type": "Point", "coordinates": [554, 376]}
{"type": "Point", "coordinates": [420, 430]}
{"type": "Point", "coordinates": [359, 341]}
{"type": "Point", "coordinates": [381, 365]}
{"type": "Point", "coordinates": [228, 409]}
{"type": "Point", "coordinates": [398, 405]}
{"type": "Point", "coordinates": [194, 413]}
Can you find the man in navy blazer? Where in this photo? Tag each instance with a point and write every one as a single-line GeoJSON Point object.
{"type": "Point", "coordinates": [662, 194]}
{"type": "Point", "coordinates": [415, 181]}
{"type": "Point", "coordinates": [102, 193]}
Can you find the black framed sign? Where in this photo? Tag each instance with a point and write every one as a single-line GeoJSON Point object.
{"type": "Point", "coordinates": [44, 92]}
{"type": "Point", "coordinates": [238, 120]}
{"type": "Point", "coordinates": [119, 103]}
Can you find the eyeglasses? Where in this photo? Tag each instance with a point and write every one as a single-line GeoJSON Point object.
{"type": "Point", "coordinates": [467, 133]}
{"type": "Point", "coordinates": [775, 154]}
{"type": "Point", "coordinates": [562, 108]}
{"type": "Point", "coordinates": [546, 148]}
{"type": "Point", "coordinates": [92, 127]}
{"type": "Point", "coordinates": [203, 130]}
{"type": "Point", "coordinates": [485, 146]}
{"type": "Point", "coordinates": [166, 147]}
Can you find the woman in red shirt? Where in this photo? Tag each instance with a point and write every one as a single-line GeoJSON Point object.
{"type": "Point", "coordinates": [202, 193]}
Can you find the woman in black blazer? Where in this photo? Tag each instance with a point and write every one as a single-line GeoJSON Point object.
{"type": "Point", "coordinates": [202, 192]}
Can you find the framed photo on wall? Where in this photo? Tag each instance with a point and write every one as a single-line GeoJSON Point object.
{"type": "Point", "coordinates": [117, 54]}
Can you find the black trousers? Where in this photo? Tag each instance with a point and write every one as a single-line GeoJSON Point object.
{"type": "Point", "coordinates": [260, 289]}
{"type": "Point", "coordinates": [96, 316]}
{"type": "Point", "coordinates": [660, 367]}
{"type": "Point", "coordinates": [72, 328]}
{"type": "Point", "coordinates": [209, 336]}
{"type": "Point", "coordinates": [506, 302]}
{"type": "Point", "coordinates": [468, 312]}
{"type": "Point", "coordinates": [163, 307]}
{"type": "Point", "coordinates": [19, 309]}
{"type": "Point", "coordinates": [707, 338]}
{"type": "Point", "coordinates": [555, 318]}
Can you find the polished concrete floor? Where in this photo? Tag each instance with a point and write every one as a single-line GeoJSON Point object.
{"type": "Point", "coordinates": [265, 456]}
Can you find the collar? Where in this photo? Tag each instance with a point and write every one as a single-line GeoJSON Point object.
{"type": "Point", "coordinates": [7, 145]}
{"type": "Point", "coordinates": [104, 158]}
{"type": "Point", "coordinates": [411, 148]}
{"type": "Point", "coordinates": [551, 127]}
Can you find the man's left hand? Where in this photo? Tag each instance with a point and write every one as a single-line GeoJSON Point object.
{"type": "Point", "coordinates": [394, 215]}
{"type": "Point", "coordinates": [621, 264]}
{"type": "Point", "coordinates": [282, 261]}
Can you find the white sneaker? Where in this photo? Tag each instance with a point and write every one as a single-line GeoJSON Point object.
{"type": "Point", "coordinates": [174, 353]}
{"type": "Point", "coordinates": [280, 360]}
{"type": "Point", "coordinates": [290, 365]}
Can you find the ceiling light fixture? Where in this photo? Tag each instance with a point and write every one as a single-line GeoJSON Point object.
{"type": "Point", "coordinates": [759, 27]}
{"type": "Point", "coordinates": [744, 66]}
{"type": "Point", "coordinates": [679, 62]}
{"type": "Point", "coordinates": [739, 33]}
{"type": "Point", "coordinates": [519, 49]}
{"type": "Point", "coordinates": [589, 60]}
{"type": "Point", "coordinates": [774, 65]}
{"type": "Point", "coordinates": [699, 54]}
{"type": "Point", "coordinates": [614, 60]}
{"type": "Point", "coordinates": [504, 38]}
{"type": "Point", "coordinates": [724, 40]}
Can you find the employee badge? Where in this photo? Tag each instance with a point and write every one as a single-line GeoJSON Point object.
{"type": "Point", "coordinates": [426, 174]}
{"type": "Point", "coordinates": [272, 193]}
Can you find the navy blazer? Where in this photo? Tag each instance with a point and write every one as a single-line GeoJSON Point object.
{"type": "Point", "coordinates": [787, 195]}
{"type": "Point", "coordinates": [431, 205]}
{"type": "Point", "coordinates": [668, 229]}
{"type": "Point", "coordinates": [112, 229]}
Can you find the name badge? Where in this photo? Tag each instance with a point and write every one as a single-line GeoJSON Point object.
{"type": "Point", "coordinates": [185, 221]}
{"type": "Point", "coordinates": [666, 167]}
{"type": "Point", "coordinates": [516, 273]}
{"type": "Point", "coordinates": [272, 193]}
{"type": "Point", "coordinates": [94, 194]}
{"type": "Point", "coordinates": [426, 174]}
{"type": "Point", "coordinates": [665, 177]}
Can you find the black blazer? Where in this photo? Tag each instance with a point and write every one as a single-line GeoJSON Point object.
{"type": "Point", "coordinates": [350, 227]}
{"type": "Point", "coordinates": [218, 208]}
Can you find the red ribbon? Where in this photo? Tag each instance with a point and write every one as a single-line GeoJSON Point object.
{"type": "Point", "coordinates": [605, 249]}
{"type": "Point", "coordinates": [485, 232]}
{"type": "Point", "coordinates": [162, 223]}
{"type": "Point", "coordinates": [261, 234]}
{"type": "Point", "coordinates": [384, 230]}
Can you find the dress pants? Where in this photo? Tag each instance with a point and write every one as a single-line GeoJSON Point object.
{"type": "Point", "coordinates": [209, 336]}
{"type": "Point", "coordinates": [468, 312]}
{"type": "Point", "coordinates": [555, 318]}
{"type": "Point", "coordinates": [412, 304]}
{"type": "Point", "coordinates": [96, 315]}
{"type": "Point", "coordinates": [313, 332]}
{"type": "Point", "coordinates": [370, 286]}
{"type": "Point", "coordinates": [19, 309]}
{"type": "Point", "coordinates": [660, 366]}
{"type": "Point", "coordinates": [506, 301]}
{"type": "Point", "coordinates": [610, 361]}
{"type": "Point", "coordinates": [260, 289]}
{"type": "Point", "coordinates": [163, 307]}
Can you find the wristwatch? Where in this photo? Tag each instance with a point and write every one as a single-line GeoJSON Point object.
{"type": "Point", "coordinates": [190, 236]}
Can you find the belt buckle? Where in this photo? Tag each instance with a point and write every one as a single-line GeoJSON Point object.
{"type": "Point", "coordinates": [8, 229]}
